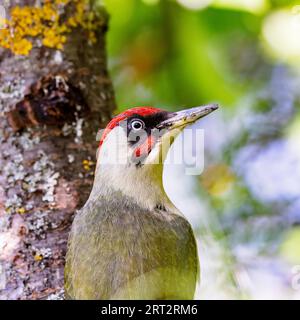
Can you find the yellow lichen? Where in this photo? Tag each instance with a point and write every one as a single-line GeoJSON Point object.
{"type": "Point", "coordinates": [45, 22]}
{"type": "Point", "coordinates": [38, 257]}
{"type": "Point", "coordinates": [21, 210]}
{"type": "Point", "coordinates": [87, 164]}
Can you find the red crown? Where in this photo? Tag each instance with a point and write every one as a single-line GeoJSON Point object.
{"type": "Point", "coordinates": [142, 111]}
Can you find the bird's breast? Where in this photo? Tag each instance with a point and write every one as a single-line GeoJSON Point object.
{"type": "Point", "coordinates": [113, 243]}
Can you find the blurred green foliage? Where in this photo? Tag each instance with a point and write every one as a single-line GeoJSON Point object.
{"type": "Point", "coordinates": [167, 55]}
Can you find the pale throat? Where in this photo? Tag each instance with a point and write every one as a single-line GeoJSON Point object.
{"type": "Point", "coordinates": [141, 183]}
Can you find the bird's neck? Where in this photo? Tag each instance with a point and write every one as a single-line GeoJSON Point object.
{"type": "Point", "coordinates": [142, 185]}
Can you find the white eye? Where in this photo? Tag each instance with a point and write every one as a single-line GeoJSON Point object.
{"type": "Point", "coordinates": [137, 124]}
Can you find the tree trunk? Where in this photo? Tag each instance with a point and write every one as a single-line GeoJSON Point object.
{"type": "Point", "coordinates": [52, 101]}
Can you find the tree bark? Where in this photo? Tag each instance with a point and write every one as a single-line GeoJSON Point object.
{"type": "Point", "coordinates": [52, 103]}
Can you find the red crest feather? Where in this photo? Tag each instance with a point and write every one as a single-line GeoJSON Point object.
{"type": "Point", "coordinates": [142, 111]}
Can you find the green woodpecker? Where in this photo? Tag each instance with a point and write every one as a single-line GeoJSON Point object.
{"type": "Point", "coordinates": [129, 241]}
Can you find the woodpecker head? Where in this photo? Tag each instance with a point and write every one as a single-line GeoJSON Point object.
{"type": "Point", "coordinates": [134, 145]}
{"type": "Point", "coordinates": [143, 135]}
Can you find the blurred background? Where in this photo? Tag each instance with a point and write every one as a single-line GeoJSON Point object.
{"type": "Point", "coordinates": [244, 55]}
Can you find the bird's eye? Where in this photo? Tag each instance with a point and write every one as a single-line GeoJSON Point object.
{"type": "Point", "coordinates": [137, 124]}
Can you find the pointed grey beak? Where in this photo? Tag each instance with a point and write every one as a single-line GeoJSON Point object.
{"type": "Point", "coordinates": [185, 117]}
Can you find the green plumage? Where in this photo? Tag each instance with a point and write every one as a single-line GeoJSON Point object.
{"type": "Point", "coordinates": [118, 250]}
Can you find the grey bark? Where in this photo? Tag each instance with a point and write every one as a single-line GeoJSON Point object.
{"type": "Point", "coordinates": [45, 173]}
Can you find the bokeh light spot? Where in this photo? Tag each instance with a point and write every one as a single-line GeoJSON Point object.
{"type": "Point", "coordinates": [217, 179]}
{"type": "Point", "coordinates": [281, 31]}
